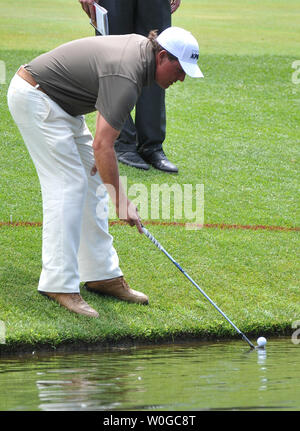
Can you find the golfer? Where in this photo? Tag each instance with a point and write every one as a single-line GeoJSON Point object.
{"type": "Point", "coordinates": [48, 99]}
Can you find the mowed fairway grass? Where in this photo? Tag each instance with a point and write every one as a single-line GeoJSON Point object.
{"type": "Point", "coordinates": [237, 132]}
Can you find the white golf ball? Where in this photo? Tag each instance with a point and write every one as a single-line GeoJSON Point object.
{"type": "Point", "coordinates": [261, 341]}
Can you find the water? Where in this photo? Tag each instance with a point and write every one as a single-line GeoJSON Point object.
{"type": "Point", "coordinates": [202, 376]}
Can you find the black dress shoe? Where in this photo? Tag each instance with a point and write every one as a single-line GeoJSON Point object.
{"type": "Point", "coordinates": [132, 158]}
{"type": "Point", "coordinates": [159, 160]}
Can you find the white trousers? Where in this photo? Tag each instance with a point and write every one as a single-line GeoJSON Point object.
{"type": "Point", "coordinates": [76, 243]}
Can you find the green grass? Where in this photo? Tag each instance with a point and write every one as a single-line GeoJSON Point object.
{"type": "Point", "coordinates": [222, 27]}
{"type": "Point", "coordinates": [236, 132]}
{"type": "Point", "coordinates": [255, 284]}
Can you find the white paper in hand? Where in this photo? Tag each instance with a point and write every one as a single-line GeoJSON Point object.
{"type": "Point", "coordinates": [101, 23]}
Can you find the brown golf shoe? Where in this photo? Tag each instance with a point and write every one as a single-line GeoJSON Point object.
{"type": "Point", "coordinates": [118, 288]}
{"type": "Point", "coordinates": [73, 302]}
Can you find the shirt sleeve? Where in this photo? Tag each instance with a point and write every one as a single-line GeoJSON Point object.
{"type": "Point", "coordinates": [117, 97]}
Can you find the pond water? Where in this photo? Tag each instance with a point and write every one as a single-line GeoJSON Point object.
{"type": "Point", "coordinates": [199, 376]}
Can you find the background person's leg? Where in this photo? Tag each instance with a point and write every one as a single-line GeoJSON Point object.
{"type": "Point", "coordinates": [150, 113]}
{"type": "Point", "coordinates": [121, 19]}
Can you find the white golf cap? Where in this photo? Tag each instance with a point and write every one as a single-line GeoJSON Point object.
{"type": "Point", "coordinates": [182, 44]}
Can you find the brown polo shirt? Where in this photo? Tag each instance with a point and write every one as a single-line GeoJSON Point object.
{"type": "Point", "coordinates": [97, 73]}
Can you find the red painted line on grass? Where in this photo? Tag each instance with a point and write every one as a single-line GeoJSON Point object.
{"type": "Point", "coordinates": [160, 223]}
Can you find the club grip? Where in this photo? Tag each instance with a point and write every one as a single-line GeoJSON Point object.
{"type": "Point", "coordinates": [151, 237]}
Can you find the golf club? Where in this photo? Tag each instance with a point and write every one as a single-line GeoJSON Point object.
{"type": "Point", "coordinates": [160, 247]}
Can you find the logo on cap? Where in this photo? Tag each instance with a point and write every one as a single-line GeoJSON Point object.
{"type": "Point", "coordinates": [195, 55]}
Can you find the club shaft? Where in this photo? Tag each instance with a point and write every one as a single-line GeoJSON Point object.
{"type": "Point", "coordinates": [160, 247]}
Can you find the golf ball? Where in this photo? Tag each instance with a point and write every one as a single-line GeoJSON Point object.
{"type": "Point", "coordinates": [261, 341]}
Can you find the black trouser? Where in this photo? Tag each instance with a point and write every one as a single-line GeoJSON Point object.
{"type": "Point", "coordinates": [140, 16]}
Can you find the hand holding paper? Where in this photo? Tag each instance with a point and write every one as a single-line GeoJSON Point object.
{"type": "Point", "coordinates": [100, 22]}
{"type": "Point", "coordinates": [89, 8]}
